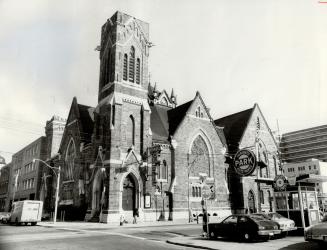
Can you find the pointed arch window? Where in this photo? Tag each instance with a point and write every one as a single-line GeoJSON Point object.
{"type": "Point", "coordinates": [125, 67]}
{"type": "Point", "coordinates": [138, 69]}
{"type": "Point", "coordinates": [130, 132]}
{"type": "Point", "coordinates": [131, 76]}
{"type": "Point", "coordinates": [69, 161]}
{"type": "Point", "coordinates": [199, 158]}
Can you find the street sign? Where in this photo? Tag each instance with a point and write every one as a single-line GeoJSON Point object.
{"type": "Point", "coordinates": [280, 183]}
{"type": "Point", "coordinates": [244, 162]}
{"type": "Point", "coordinates": [206, 192]}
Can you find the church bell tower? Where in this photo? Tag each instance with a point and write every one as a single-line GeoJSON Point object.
{"type": "Point", "coordinates": [122, 116]}
{"type": "Point", "coordinates": [124, 52]}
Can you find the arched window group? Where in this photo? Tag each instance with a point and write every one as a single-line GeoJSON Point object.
{"type": "Point", "coordinates": [132, 67]}
{"type": "Point", "coordinates": [198, 112]}
{"type": "Point", "coordinates": [196, 191]}
{"type": "Point", "coordinates": [107, 67]}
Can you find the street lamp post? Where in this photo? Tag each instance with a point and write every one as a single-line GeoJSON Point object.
{"type": "Point", "coordinates": [57, 190]}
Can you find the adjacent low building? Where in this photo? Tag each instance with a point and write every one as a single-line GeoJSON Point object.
{"type": "Point", "coordinates": [26, 174]}
{"type": "Point", "coordinates": [4, 185]}
{"type": "Point", "coordinates": [314, 171]}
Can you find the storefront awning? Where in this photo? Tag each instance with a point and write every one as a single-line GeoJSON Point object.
{"type": "Point", "coordinates": [311, 178]}
{"type": "Point", "coordinates": [265, 180]}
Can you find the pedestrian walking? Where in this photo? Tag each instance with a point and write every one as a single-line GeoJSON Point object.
{"type": "Point", "coordinates": [135, 215]}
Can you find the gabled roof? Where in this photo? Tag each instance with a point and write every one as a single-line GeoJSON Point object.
{"type": "Point", "coordinates": [176, 115]}
{"type": "Point", "coordinates": [159, 123]}
{"type": "Point", "coordinates": [84, 116]}
{"type": "Point", "coordinates": [86, 122]}
{"type": "Point", "coordinates": [234, 126]}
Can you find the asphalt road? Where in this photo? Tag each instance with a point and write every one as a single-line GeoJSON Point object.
{"type": "Point", "coordinates": [124, 238]}
{"type": "Point", "coordinates": [37, 237]}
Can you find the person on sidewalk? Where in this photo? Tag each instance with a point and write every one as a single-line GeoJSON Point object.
{"type": "Point", "coordinates": [135, 215]}
{"type": "Point", "coordinates": [205, 219]}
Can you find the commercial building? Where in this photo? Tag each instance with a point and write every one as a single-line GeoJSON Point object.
{"type": "Point", "coordinates": [26, 175]}
{"type": "Point", "coordinates": [313, 171]}
{"type": "Point", "coordinates": [4, 185]}
{"type": "Point", "coordinates": [305, 144]}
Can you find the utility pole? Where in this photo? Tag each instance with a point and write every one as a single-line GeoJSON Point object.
{"type": "Point", "coordinates": [58, 182]}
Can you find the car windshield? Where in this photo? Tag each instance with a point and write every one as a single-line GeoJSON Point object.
{"type": "Point", "coordinates": [265, 216]}
{"type": "Point", "coordinates": [275, 216]}
{"type": "Point", "coordinates": [258, 217]}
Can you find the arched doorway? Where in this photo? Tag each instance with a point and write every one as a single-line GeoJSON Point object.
{"type": "Point", "coordinates": [251, 202]}
{"type": "Point", "coordinates": [97, 193]}
{"type": "Point", "coordinates": [129, 194]}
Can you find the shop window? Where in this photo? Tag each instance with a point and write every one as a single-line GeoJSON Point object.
{"type": "Point", "coordinates": [280, 201]}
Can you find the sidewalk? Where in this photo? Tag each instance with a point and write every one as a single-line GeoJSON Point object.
{"type": "Point", "coordinates": [295, 242]}
{"type": "Point", "coordinates": [97, 225]}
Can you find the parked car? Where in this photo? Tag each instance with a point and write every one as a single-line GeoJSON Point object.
{"type": "Point", "coordinates": [4, 217]}
{"type": "Point", "coordinates": [246, 227]}
{"type": "Point", "coordinates": [317, 233]}
{"type": "Point", "coordinates": [285, 224]}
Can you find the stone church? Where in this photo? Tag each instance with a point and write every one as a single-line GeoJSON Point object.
{"type": "Point", "coordinates": [139, 149]}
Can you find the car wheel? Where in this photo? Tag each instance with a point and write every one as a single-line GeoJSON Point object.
{"type": "Point", "coordinates": [16, 222]}
{"type": "Point", "coordinates": [283, 234]}
{"type": "Point", "coordinates": [247, 236]}
{"type": "Point", "coordinates": [322, 245]}
{"type": "Point", "coordinates": [213, 235]}
{"type": "Point", "coordinates": [33, 223]}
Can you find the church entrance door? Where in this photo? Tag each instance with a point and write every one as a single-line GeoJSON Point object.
{"type": "Point", "coordinates": [129, 193]}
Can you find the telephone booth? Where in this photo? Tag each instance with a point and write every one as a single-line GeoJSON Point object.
{"type": "Point", "coordinates": [299, 202]}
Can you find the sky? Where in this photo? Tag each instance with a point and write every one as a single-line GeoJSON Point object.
{"type": "Point", "coordinates": [235, 53]}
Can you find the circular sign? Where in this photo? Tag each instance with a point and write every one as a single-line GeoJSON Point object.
{"type": "Point", "coordinates": [244, 162]}
{"type": "Point", "coordinates": [280, 182]}
{"type": "Point", "coordinates": [206, 192]}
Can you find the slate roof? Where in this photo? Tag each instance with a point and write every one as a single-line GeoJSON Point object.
{"type": "Point", "coordinates": [87, 122]}
{"type": "Point", "coordinates": [176, 115]}
{"type": "Point", "coordinates": [159, 123]}
{"type": "Point", "coordinates": [234, 126]}
{"type": "Point", "coordinates": [165, 120]}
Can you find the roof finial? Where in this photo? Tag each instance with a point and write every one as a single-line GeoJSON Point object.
{"type": "Point", "coordinates": [172, 95]}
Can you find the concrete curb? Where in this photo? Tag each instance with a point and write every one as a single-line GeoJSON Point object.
{"type": "Point", "coordinates": [190, 245]}
{"type": "Point", "coordinates": [89, 225]}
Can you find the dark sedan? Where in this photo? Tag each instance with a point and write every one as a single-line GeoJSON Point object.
{"type": "Point", "coordinates": [245, 227]}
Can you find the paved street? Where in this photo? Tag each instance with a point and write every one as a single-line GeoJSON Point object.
{"type": "Point", "coordinates": [94, 237]}
{"type": "Point", "coordinates": [102, 236]}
